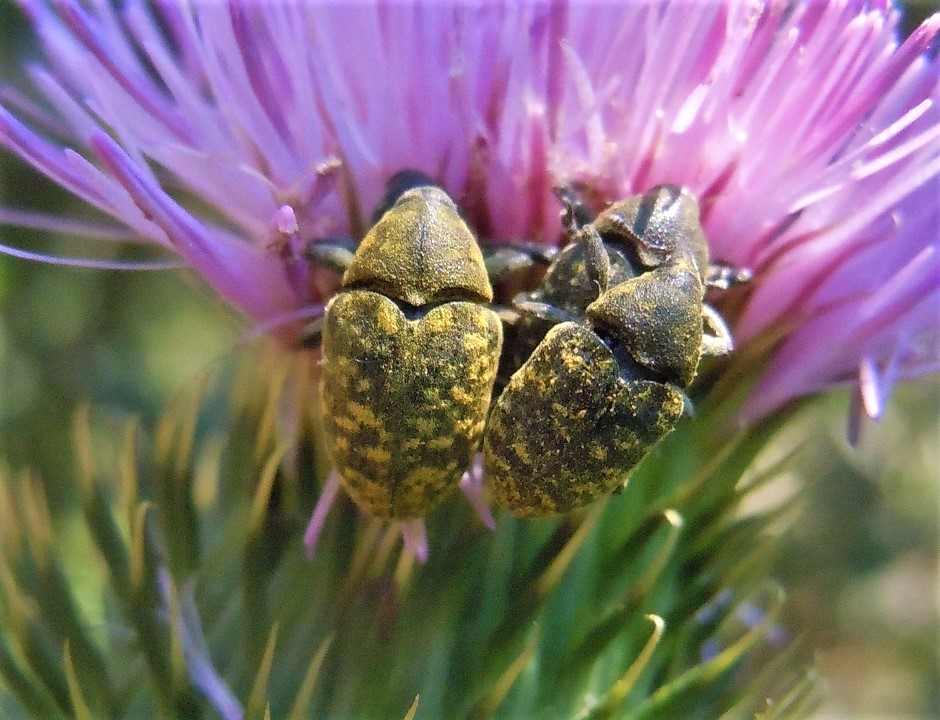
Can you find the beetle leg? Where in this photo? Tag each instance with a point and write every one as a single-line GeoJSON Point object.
{"type": "Point", "coordinates": [334, 254]}
{"type": "Point", "coordinates": [596, 260]}
{"type": "Point", "coordinates": [544, 311]}
{"type": "Point", "coordinates": [716, 339]}
{"type": "Point", "coordinates": [507, 315]}
{"type": "Point", "coordinates": [722, 276]}
{"type": "Point", "coordinates": [576, 218]}
{"type": "Point", "coordinates": [312, 333]}
{"type": "Point", "coordinates": [517, 257]}
{"type": "Point", "coordinates": [538, 254]}
{"type": "Point", "coordinates": [505, 262]}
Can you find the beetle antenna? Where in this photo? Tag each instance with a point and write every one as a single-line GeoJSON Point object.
{"type": "Point", "coordinates": [575, 213]}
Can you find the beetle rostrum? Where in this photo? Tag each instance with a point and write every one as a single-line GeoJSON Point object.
{"type": "Point", "coordinates": [618, 328]}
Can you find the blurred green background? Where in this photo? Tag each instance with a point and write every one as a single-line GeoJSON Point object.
{"type": "Point", "coordinates": [860, 565]}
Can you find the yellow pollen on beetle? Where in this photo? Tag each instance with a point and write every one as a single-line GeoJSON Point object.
{"type": "Point", "coordinates": [436, 323]}
{"type": "Point", "coordinates": [341, 371]}
{"type": "Point", "coordinates": [425, 476]}
{"type": "Point", "coordinates": [520, 449]}
{"type": "Point", "coordinates": [441, 443]}
{"type": "Point", "coordinates": [377, 455]}
{"type": "Point", "coordinates": [462, 396]}
{"type": "Point", "coordinates": [347, 424]}
{"type": "Point", "coordinates": [561, 410]}
{"type": "Point", "coordinates": [387, 318]}
{"type": "Point", "coordinates": [475, 343]}
{"type": "Point", "coordinates": [425, 426]}
{"type": "Point", "coordinates": [362, 415]}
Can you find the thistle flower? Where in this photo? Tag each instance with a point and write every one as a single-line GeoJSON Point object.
{"type": "Point", "coordinates": [227, 136]}
{"type": "Point", "coordinates": [232, 134]}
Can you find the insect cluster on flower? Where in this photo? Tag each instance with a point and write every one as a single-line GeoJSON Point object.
{"type": "Point", "coordinates": [591, 375]}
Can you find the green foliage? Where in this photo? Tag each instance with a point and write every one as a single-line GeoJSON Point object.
{"type": "Point", "coordinates": [654, 604]}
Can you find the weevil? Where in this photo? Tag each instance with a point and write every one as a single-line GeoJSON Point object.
{"type": "Point", "coordinates": [616, 332]}
{"type": "Point", "coordinates": [410, 349]}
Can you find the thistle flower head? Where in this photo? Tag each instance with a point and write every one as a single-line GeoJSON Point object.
{"type": "Point", "coordinates": [231, 134]}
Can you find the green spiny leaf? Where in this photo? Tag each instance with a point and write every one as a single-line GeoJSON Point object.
{"type": "Point", "coordinates": [309, 683]}
{"type": "Point", "coordinates": [412, 711]}
{"type": "Point", "coordinates": [698, 676]}
{"type": "Point", "coordinates": [615, 697]}
{"type": "Point", "coordinates": [489, 703]}
{"type": "Point", "coordinates": [79, 706]}
{"type": "Point", "coordinates": [27, 688]}
{"type": "Point", "coordinates": [257, 701]}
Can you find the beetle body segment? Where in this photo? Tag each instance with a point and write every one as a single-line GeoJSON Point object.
{"type": "Point", "coordinates": [570, 426]}
{"type": "Point", "coordinates": [410, 355]}
{"type": "Point", "coordinates": [405, 400]}
{"type": "Point", "coordinates": [421, 252]}
{"type": "Point", "coordinates": [618, 327]}
{"type": "Point", "coordinates": [566, 286]}
{"type": "Point", "coordinates": [660, 227]}
{"type": "Point", "coordinates": [657, 317]}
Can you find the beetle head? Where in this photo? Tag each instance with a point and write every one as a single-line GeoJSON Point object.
{"type": "Point", "coordinates": [659, 227]}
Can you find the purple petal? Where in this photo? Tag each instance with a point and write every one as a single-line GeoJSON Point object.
{"type": "Point", "coordinates": [414, 536]}
{"type": "Point", "coordinates": [807, 130]}
{"type": "Point", "coordinates": [471, 484]}
{"type": "Point", "coordinates": [92, 263]}
{"type": "Point", "coordinates": [242, 274]}
{"type": "Point", "coordinates": [318, 518]}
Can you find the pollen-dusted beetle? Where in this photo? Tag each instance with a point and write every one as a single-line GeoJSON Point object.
{"type": "Point", "coordinates": [410, 352]}
{"type": "Point", "coordinates": [618, 328]}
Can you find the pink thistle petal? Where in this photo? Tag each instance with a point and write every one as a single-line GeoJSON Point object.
{"type": "Point", "coordinates": [92, 263]}
{"type": "Point", "coordinates": [124, 70]}
{"type": "Point", "coordinates": [821, 346]}
{"type": "Point", "coordinates": [261, 329]}
{"type": "Point", "coordinates": [471, 484]}
{"type": "Point", "coordinates": [202, 673]}
{"type": "Point", "coordinates": [324, 503]}
{"type": "Point", "coordinates": [807, 129]}
{"type": "Point", "coordinates": [86, 181]}
{"type": "Point", "coordinates": [869, 382]}
{"type": "Point", "coordinates": [242, 274]}
{"type": "Point", "coordinates": [415, 538]}
{"type": "Point", "coordinates": [43, 222]}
